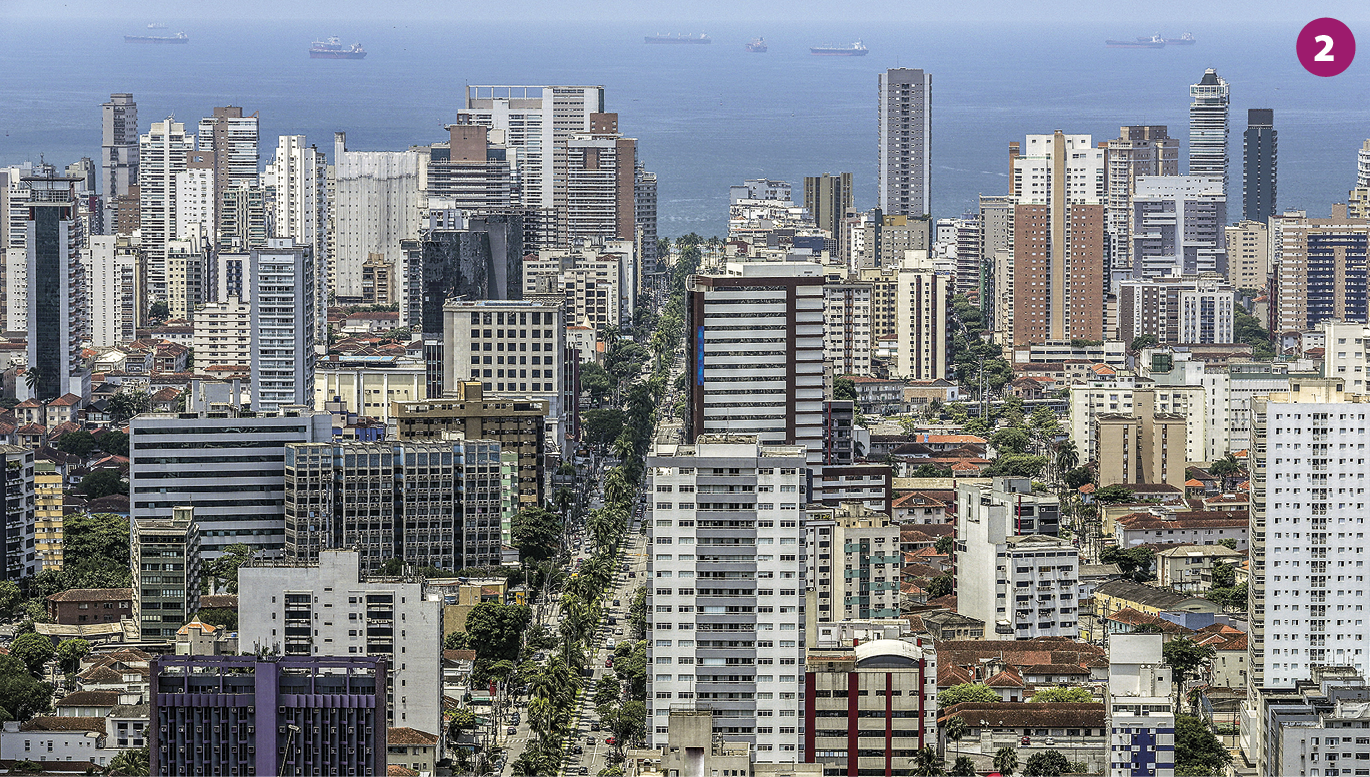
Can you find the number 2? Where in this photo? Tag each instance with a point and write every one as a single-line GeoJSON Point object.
{"type": "Point", "coordinates": [1326, 54]}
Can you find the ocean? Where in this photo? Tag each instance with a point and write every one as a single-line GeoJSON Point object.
{"type": "Point", "coordinates": [706, 116]}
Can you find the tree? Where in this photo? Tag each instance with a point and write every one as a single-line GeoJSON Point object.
{"type": "Point", "coordinates": [1143, 341]}
{"type": "Point", "coordinates": [76, 443]}
{"type": "Point", "coordinates": [101, 536]}
{"type": "Point", "coordinates": [70, 652]}
{"type": "Point", "coordinates": [1010, 440]}
{"type": "Point", "coordinates": [126, 404]}
{"type": "Point", "coordinates": [537, 533]}
{"type": "Point", "coordinates": [219, 616]}
{"type": "Point", "coordinates": [955, 730]}
{"type": "Point", "coordinates": [1063, 695]}
{"type": "Point", "coordinates": [35, 650]}
{"type": "Point", "coordinates": [104, 482]}
{"type": "Point", "coordinates": [931, 471]}
{"type": "Point", "coordinates": [926, 763]}
{"type": "Point", "coordinates": [1112, 495]}
{"type": "Point", "coordinates": [1224, 575]}
{"type": "Point", "coordinates": [457, 640]}
{"type": "Point", "coordinates": [1246, 328]}
{"type": "Point", "coordinates": [843, 389]}
{"type": "Point", "coordinates": [940, 586]}
{"type": "Point", "coordinates": [1006, 761]}
{"type": "Point", "coordinates": [1197, 751]}
{"type": "Point", "coordinates": [10, 596]}
{"type": "Point", "coordinates": [113, 442]}
{"type": "Point", "coordinates": [131, 763]}
{"type": "Point", "coordinates": [159, 311]}
{"type": "Point", "coordinates": [1016, 465]}
{"type": "Point", "coordinates": [595, 380]}
{"type": "Point", "coordinates": [1185, 656]}
{"type": "Point", "coordinates": [221, 574]}
{"type": "Point", "coordinates": [1067, 457]}
{"type": "Point", "coordinates": [21, 695]}
{"type": "Point", "coordinates": [945, 545]}
{"type": "Point", "coordinates": [963, 767]}
{"type": "Point", "coordinates": [1229, 543]}
{"type": "Point", "coordinates": [601, 427]}
{"type": "Point", "coordinates": [966, 692]}
{"type": "Point", "coordinates": [495, 629]}
{"type": "Point", "coordinates": [1048, 763]}
{"type": "Point", "coordinates": [1132, 561]}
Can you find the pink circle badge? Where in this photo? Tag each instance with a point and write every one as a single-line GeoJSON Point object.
{"type": "Point", "coordinates": [1325, 47]}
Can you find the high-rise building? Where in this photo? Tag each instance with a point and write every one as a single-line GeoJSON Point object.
{"type": "Point", "coordinates": [922, 297]}
{"type": "Point", "coordinates": [197, 201]}
{"type": "Point", "coordinates": [1141, 709]}
{"type": "Point", "coordinates": [1208, 121]}
{"type": "Point", "coordinates": [644, 197]}
{"type": "Point", "coordinates": [1176, 310]}
{"type": "Point", "coordinates": [847, 341]}
{"type": "Point", "coordinates": [187, 263]}
{"type": "Point", "coordinates": [852, 563]}
{"type": "Point", "coordinates": [601, 196]}
{"type": "Point", "coordinates": [598, 281]}
{"type": "Point", "coordinates": [228, 465]}
{"type": "Point", "coordinates": [539, 120]}
{"type": "Point", "coordinates": [48, 482]}
{"type": "Point", "coordinates": [996, 261]}
{"type": "Point", "coordinates": [223, 334]}
{"type": "Point", "coordinates": [162, 153]}
{"type": "Point", "coordinates": [1248, 254]}
{"type": "Point", "coordinates": [1177, 226]}
{"type": "Point", "coordinates": [1137, 151]}
{"type": "Point", "coordinates": [230, 142]}
{"type": "Point", "coordinates": [282, 300]}
{"type": "Point", "coordinates": [376, 202]}
{"type": "Point", "coordinates": [58, 309]}
{"type": "Point", "coordinates": [18, 557]}
{"type": "Point", "coordinates": [262, 715]}
{"type": "Point", "coordinates": [969, 269]}
{"type": "Point", "coordinates": [516, 425]}
{"type": "Point", "coordinates": [298, 176]}
{"type": "Point", "coordinates": [755, 357]}
{"type": "Point", "coordinates": [331, 608]}
{"type": "Point", "coordinates": [165, 556]}
{"type": "Point", "coordinates": [1057, 239]}
{"type": "Point", "coordinates": [1144, 448]}
{"type": "Point", "coordinates": [431, 503]}
{"type": "Point", "coordinates": [119, 151]}
{"type": "Point", "coordinates": [1295, 726]}
{"type": "Point", "coordinates": [827, 199]}
{"type": "Point", "coordinates": [114, 292]}
{"type": "Point", "coordinates": [1260, 160]}
{"type": "Point", "coordinates": [905, 163]}
{"type": "Point", "coordinates": [1320, 273]}
{"type": "Point", "coordinates": [710, 556]}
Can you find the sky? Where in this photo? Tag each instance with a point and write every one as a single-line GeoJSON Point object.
{"type": "Point", "coordinates": [1000, 11]}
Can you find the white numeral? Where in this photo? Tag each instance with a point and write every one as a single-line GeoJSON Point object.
{"type": "Point", "coordinates": [1326, 54]}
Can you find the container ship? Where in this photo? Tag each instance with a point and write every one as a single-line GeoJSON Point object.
{"type": "Point", "coordinates": [179, 37]}
{"type": "Point", "coordinates": [757, 46]}
{"type": "Point", "coordinates": [673, 38]}
{"type": "Point", "coordinates": [1153, 42]}
{"type": "Point", "coordinates": [856, 49]}
{"type": "Point", "coordinates": [333, 49]}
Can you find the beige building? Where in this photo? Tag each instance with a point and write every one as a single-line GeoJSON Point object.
{"type": "Point", "coordinates": [847, 327]}
{"type": "Point", "coordinates": [598, 281]}
{"type": "Point", "coordinates": [1321, 264]}
{"type": "Point", "coordinates": [921, 300]}
{"type": "Point", "coordinates": [865, 584]}
{"type": "Point", "coordinates": [1190, 567]}
{"type": "Point", "coordinates": [223, 334]}
{"type": "Point", "coordinates": [460, 598]}
{"type": "Point", "coordinates": [1248, 255]}
{"type": "Point", "coordinates": [691, 746]}
{"type": "Point", "coordinates": [368, 391]}
{"type": "Point", "coordinates": [1141, 449]}
{"type": "Point", "coordinates": [901, 234]}
{"type": "Point", "coordinates": [883, 281]}
{"type": "Point", "coordinates": [1120, 396]}
{"type": "Point", "coordinates": [411, 749]}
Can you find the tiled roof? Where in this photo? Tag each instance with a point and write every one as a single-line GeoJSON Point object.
{"type": "Point", "coordinates": [93, 595]}
{"type": "Point", "coordinates": [1192, 519]}
{"type": "Point", "coordinates": [88, 699]}
{"type": "Point", "coordinates": [409, 736]}
{"type": "Point", "coordinates": [1008, 678]}
{"type": "Point", "coordinates": [1128, 591]}
{"type": "Point", "coordinates": [64, 723]}
{"type": "Point", "coordinates": [459, 655]}
{"type": "Point", "coordinates": [395, 770]}
{"type": "Point", "coordinates": [219, 601]}
{"type": "Point", "coordinates": [1019, 715]}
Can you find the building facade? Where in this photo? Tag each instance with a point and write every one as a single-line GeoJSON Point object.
{"type": "Point", "coordinates": [1320, 272]}
{"type": "Point", "coordinates": [1137, 151]}
{"type": "Point", "coordinates": [165, 556]}
{"type": "Point", "coordinates": [1178, 226]}
{"type": "Point", "coordinates": [905, 143]}
{"type": "Point", "coordinates": [58, 306]}
{"type": "Point", "coordinates": [1248, 254]}
{"type": "Point", "coordinates": [283, 325]}
{"type": "Point", "coordinates": [1208, 122]}
{"type": "Point", "coordinates": [1141, 712]}
{"type": "Point", "coordinates": [1260, 165]}
{"type": "Point", "coordinates": [1177, 310]}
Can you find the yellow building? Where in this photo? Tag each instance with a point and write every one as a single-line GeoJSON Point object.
{"type": "Point", "coordinates": [459, 599]}
{"type": "Point", "coordinates": [47, 487]}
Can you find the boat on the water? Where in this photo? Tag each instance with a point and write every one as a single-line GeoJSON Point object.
{"type": "Point", "coordinates": [1186, 39]}
{"type": "Point", "coordinates": [677, 38]}
{"type": "Point", "coordinates": [179, 37]}
{"type": "Point", "coordinates": [1153, 42]}
{"type": "Point", "coordinates": [334, 49]}
{"type": "Point", "coordinates": [757, 46]}
{"type": "Point", "coordinates": [856, 49]}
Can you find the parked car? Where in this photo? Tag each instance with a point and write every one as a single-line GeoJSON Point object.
{"type": "Point", "coordinates": [594, 725]}
{"type": "Point", "coordinates": [632, 574]}
{"type": "Point", "coordinates": [613, 621]}
{"type": "Point", "coordinates": [577, 750]}
{"type": "Point", "coordinates": [609, 662]}
{"type": "Point", "coordinates": [589, 740]}
{"type": "Point", "coordinates": [516, 719]}
{"type": "Point", "coordinates": [616, 604]}
{"type": "Point", "coordinates": [1025, 740]}
{"type": "Point", "coordinates": [610, 741]}
{"type": "Point", "coordinates": [512, 731]}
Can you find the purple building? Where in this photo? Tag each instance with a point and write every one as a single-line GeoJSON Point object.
{"type": "Point", "coordinates": [267, 716]}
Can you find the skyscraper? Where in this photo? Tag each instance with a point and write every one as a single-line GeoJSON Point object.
{"type": "Point", "coordinates": [119, 150]}
{"type": "Point", "coordinates": [827, 199]}
{"type": "Point", "coordinates": [600, 189]}
{"type": "Point", "coordinates": [1208, 119]}
{"type": "Point", "coordinates": [299, 177]}
{"type": "Point", "coordinates": [1177, 226]}
{"type": "Point", "coordinates": [644, 198]}
{"type": "Point", "coordinates": [905, 163]}
{"type": "Point", "coordinates": [283, 299]}
{"type": "Point", "coordinates": [540, 121]}
{"type": "Point", "coordinates": [233, 140]}
{"type": "Point", "coordinates": [1260, 158]}
{"type": "Point", "coordinates": [1058, 239]}
{"type": "Point", "coordinates": [58, 311]}
{"type": "Point", "coordinates": [1320, 272]}
{"type": "Point", "coordinates": [162, 153]}
{"type": "Point", "coordinates": [376, 203]}
{"type": "Point", "coordinates": [755, 358]}
{"type": "Point", "coordinates": [1137, 151]}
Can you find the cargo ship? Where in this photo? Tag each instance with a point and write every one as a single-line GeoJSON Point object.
{"type": "Point", "coordinates": [333, 49]}
{"type": "Point", "coordinates": [1186, 39]}
{"type": "Point", "coordinates": [674, 38]}
{"type": "Point", "coordinates": [179, 37]}
{"type": "Point", "coordinates": [856, 49]}
{"type": "Point", "coordinates": [1153, 42]}
{"type": "Point", "coordinates": [757, 46]}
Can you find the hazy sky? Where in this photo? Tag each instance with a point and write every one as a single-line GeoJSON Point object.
{"type": "Point", "coordinates": [1153, 11]}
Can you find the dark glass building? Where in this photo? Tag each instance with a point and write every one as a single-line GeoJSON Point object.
{"type": "Point", "coordinates": [1259, 156]}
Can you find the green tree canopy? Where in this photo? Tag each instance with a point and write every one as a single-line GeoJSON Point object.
{"type": "Point", "coordinates": [537, 533]}
{"type": "Point", "coordinates": [602, 427]}
{"type": "Point", "coordinates": [966, 692]}
{"type": "Point", "coordinates": [70, 652]}
{"type": "Point", "coordinates": [10, 596]}
{"type": "Point", "coordinates": [219, 616]}
{"type": "Point", "coordinates": [1017, 465]}
{"type": "Point", "coordinates": [1115, 494]}
{"type": "Point", "coordinates": [457, 640]}
{"type": "Point", "coordinates": [1197, 751]}
{"type": "Point", "coordinates": [1063, 694]}
{"type": "Point", "coordinates": [1010, 440]}
{"type": "Point", "coordinates": [931, 471]}
{"type": "Point", "coordinates": [222, 572]}
{"type": "Point", "coordinates": [76, 443]}
{"type": "Point", "coordinates": [1224, 575]}
{"type": "Point", "coordinates": [1143, 341]}
{"type": "Point", "coordinates": [1049, 763]}
{"type": "Point", "coordinates": [495, 629]}
{"type": "Point", "coordinates": [104, 482]}
{"type": "Point", "coordinates": [939, 586]}
{"type": "Point", "coordinates": [21, 695]}
{"type": "Point", "coordinates": [35, 650]}
{"type": "Point", "coordinates": [946, 545]}
{"type": "Point", "coordinates": [1185, 656]}
{"type": "Point", "coordinates": [113, 442]}
{"type": "Point", "coordinates": [843, 389]}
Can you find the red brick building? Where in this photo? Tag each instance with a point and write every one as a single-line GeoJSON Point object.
{"type": "Point", "coordinates": [82, 606]}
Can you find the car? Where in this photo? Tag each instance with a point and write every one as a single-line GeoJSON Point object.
{"type": "Point", "coordinates": [577, 750]}
{"type": "Point", "coordinates": [618, 630]}
{"type": "Point", "coordinates": [1049, 741]}
{"type": "Point", "coordinates": [609, 662]}
{"type": "Point", "coordinates": [589, 740]}
{"type": "Point", "coordinates": [616, 604]}
{"type": "Point", "coordinates": [512, 731]}
{"type": "Point", "coordinates": [610, 741]}
{"type": "Point", "coordinates": [1026, 740]}
{"type": "Point", "coordinates": [594, 725]}
{"type": "Point", "coordinates": [632, 574]}
{"type": "Point", "coordinates": [584, 770]}
{"type": "Point", "coordinates": [610, 644]}
{"type": "Point", "coordinates": [613, 621]}
{"type": "Point", "coordinates": [515, 719]}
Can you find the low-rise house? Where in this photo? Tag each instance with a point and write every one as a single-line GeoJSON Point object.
{"type": "Point", "coordinates": [412, 749]}
{"type": "Point", "coordinates": [1190, 527]}
{"type": "Point", "coordinates": [58, 740]}
{"type": "Point", "coordinates": [87, 704]}
{"type": "Point", "coordinates": [1190, 567]}
{"type": "Point", "coordinates": [1077, 729]}
{"type": "Point", "coordinates": [923, 507]}
{"type": "Point", "coordinates": [1116, 595]}
{"type": "Point", "coordinates": [80, 606]}
{"type": "Point", "coordinates": [942, 626]}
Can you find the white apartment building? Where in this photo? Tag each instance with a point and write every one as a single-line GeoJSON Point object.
{"type": "Point", "coordinates": [329, 608]}
{"type": "Point", "coordinates": [111, 274]}
{"type": "Point", "coordinates": [757, 354]}
{"type": "Point", "coordinates": [922, 297]}
{"type": "Point", "coordinates": [187, 263]}
{"type": "Point", "coordinates": [1305, 731]}
{"type": "Point", "coordinates": [1208, 116]}
{"type": "Point", "coordinates": [377, 202]}
{"type": "Point", "coordinates": [282, 303]}
{"type": "Point", "coordinates": [1308, 507]}
{"type": "Point", "coordinates": [905, 122]}
{"type": "Point", "coordinates": [725, 598]}
{"type": "Point", "coordinates": [847, 339]}
{"type": "Point", "coordinates": [1177, 226]}
{"type": "Point", "coordinates": [1248, 254]}
{"type": "Point", "coordinates": [853, 564]}
{"type": "Point", "coordinates": [233, 140]}
{"type": "Point", "coordinates": [515, 348]}
{"type": "Point", "coordinates": [299, 175]}
{"type": "Point", "coordinates": [1141, 713]}
{"type": "Point", "coordinates": [1121, 394]}
{"type": "Point", "coordinates": [599, 281]}
{"type": "Point", "coordinates": [223, 334]}
{"type": "Point", "coordinates": [1346, 354]}
{"type": "Point", "coordinates": [1227, 395]}
{"type": "Point", "coordinates": [1020, 581]}
{"type": "Point", "coordinates": [196, 204]}
{"type": "Point", "coordinates": [162, 153]}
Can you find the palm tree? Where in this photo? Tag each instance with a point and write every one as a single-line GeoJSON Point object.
{"type": "Point", "coordinates": [955, 729]}
{"type": "Point", "coordinates": [131, 763]}
{"type": "Point", "coordinates": [1006, 761]}
{"type": "Point", "coordinates": [963, 767]}
{"type": "Point", "coordinates": [1067, 457]}
{"type": "Point", "coordinates": [926, 763]}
